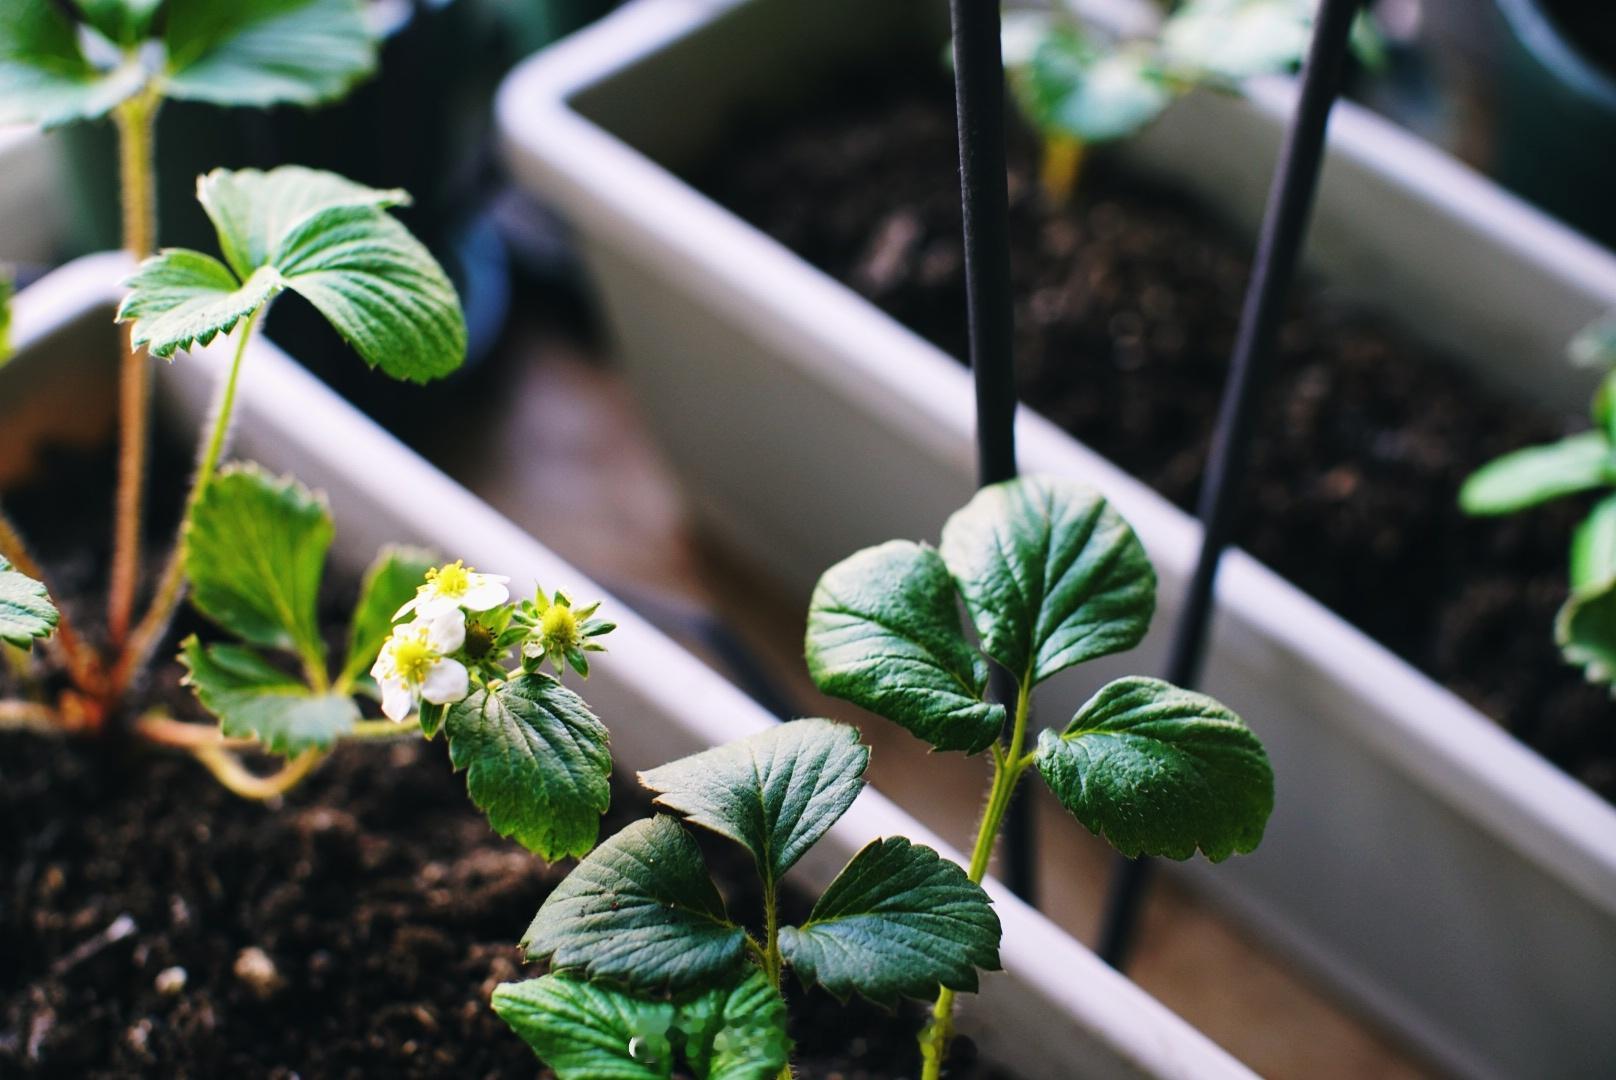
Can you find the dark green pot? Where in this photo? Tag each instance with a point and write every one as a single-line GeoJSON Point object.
{"type": "Point", "coordinates": [1556, 141]}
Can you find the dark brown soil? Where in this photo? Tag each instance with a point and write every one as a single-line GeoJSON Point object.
{"type": "Point", "coordinates": [1126, 307]}
{"type": "Point", "coordinates": [383, 909]}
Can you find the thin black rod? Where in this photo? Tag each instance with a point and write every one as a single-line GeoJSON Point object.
{"type": "Point", "coordinates": [985, 196]}
{"type": "Point", "coordinates": [1290, 202]}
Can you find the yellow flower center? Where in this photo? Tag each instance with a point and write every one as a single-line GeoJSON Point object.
{"type": "Point", "coordinates": [413, 658]}
{"type": "Point", "coordinates": [451, 580]}
{"type": "Point", "coordinates": [558, 627]}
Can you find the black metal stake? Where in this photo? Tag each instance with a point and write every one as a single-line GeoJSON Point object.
{"type": "Point", "coordinates": [1290, 201]}
{"type": "Point", "coordinates": [984, 191]}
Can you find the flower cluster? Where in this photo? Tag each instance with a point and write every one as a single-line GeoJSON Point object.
{"type": "Point", "coordinates": [419, 662]}
{"type": "Point", "coordinates": [461, 626]}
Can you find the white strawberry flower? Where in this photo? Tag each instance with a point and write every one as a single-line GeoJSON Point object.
{"type": "Point", "coordinates": [454, 587]}
{"type": "Point", "coordinates": [417, 664]}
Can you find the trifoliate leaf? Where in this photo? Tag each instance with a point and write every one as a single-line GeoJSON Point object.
{"type": "Point", "coordinates": [255, 551]}
{"type": "Point", "coordinates": [641, 912]}
{"type": "Point", "coordinates": [45, 77]}
{"type": "Point", "coordinates": [265, 52]}
{"type": "Point", "coordinates": [26, 612]}
{"type": "Point", "coordinates": [323, 237]}
{"type": "Point", "coordinates": [884, 633]}
{"type": "Point", "coordinates": [775, 793]}
{"type": "Point", "coordinates": [1538, 474]}
{"type": "Point", "coordinates": [253, 211]}
{"type": "Point", "coordinates": [254, 699]}
{"type": "Point", "coordinates": [899, 920]}
{"type": "Point", "coordinates": [387, 586]}
{"type": "Point", "coordinates": [1158, 770]}
{"type": "Point", "coordinates": [1051, 574]}
{"type": "Point", "coordinates": [537, 763]}
{"type": "Point", "coordinates": [591, 1032]}
{"type": "Point", "coordinates": [183, 298]}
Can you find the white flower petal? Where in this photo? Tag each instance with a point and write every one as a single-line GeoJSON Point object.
{"type": "Point", "coordinates": [446, 683]}
{"type": "Point", "coordinates": [397, 701]}
{"type": "Point", "coordinates": [447, 632]}
{"type": "Point", "coordinates": [432, 604]}
{"type": "Point", "coordinates": [486, 592]}
{"type": "Point", "coordinates": [407, 608]}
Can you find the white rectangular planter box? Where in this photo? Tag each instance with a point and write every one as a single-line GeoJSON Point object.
{"type": "Point", "coordinates": [32, 205]}
{"type": "Point", "coordinates": [1447, 878]}
{"type": "Point", "coordinates": [1054, 1009]}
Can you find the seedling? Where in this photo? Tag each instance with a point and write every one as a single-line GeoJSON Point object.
{"type": "Point", "coordinates": [1081, 86]}
{"type": "Point", "coordinates": [650, 977]}
{"type": "Point", "coordinates": [1051, 577]}
{"type": "Point", "coordinates": [1585, 628]}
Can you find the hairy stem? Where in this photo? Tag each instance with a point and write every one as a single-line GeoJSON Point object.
{"type": "Point", "coordinates": [1008, 766]}
{"type": "Point", "coordinates": [82, 664]}
{"type": "Point", "coordinates": [136, 122]}
{"type": "Point", "coordinates": [227, 768]}
{"type": "Point", "coordinates": [171, 586]}
{"type": "Point", "coordinates": [773, 964]}
{"type": "Point", "coordinates": [160, 728]}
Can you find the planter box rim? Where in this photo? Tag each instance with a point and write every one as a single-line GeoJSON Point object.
{"type": "Point", "coordinates": [1044, 967]}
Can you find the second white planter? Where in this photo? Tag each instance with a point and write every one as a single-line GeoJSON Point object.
{"type": "Point", "coordinates": [1446, 877]}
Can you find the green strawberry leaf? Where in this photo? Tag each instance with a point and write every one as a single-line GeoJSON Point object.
{"type": "Point", "coordinates": [182, 298]}
{"type": "Point", "coordinates": [775, 793]}
{"type": "Point", "coordinates": [388, 585]}
{"type": "Point", "coordinates": [266, 52]}
{"type": "Point", "coordinates": [8, 286]}
{"type": "Point", "coordinates": [899, 920]}
{"type": "Point", "coordinates": [591, 1032]}
{"type": "Point", "coordinates": [1092, 94]}
{"type": "Point", "coordinates": [1593, 547]}
{"type": "Point", "coordinates": [1234, 40]}
{"type": "Point", "coordinates": [254, 699]}
{"type": "Point", "coordinates": [1538, 474]}
{"type": "Point", "coordinates": [537, 763]}
{"type": "Point", "coordinates": [1161, 771]}
{"type": "Point", "coordinates": [45, 77]}
{"type": "Point", "coordinates": [318, 235]}
{"type": "Point", "coordinates": [884, 633]}
{"type": "Point", "coordinates": [26, 612]}
{"type": "Point", "coordinates": [641, 912]}
{"type": "Point", "coordinates": [255, 552]}
{"type": "Point", "coordinates": [1051, 574]}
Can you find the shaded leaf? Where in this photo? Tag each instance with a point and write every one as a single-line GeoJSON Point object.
{"type": "Point", "coordinates": [1585, 630]}
{"type": "Point", "coordinates": [264, 52]}
{"type": "Point", "coordinates": [899, 920]}
{"type": "Point", "coordinates": [537, 763]}
{"type": "Point", "coordinates": [45, 77]}
{"type": "Point", "coordinates": [26, 612]}
{"type": "Point", "coordinates": [1593, 547]}
{"type": "Point", "coordinates": [775, 793]}
{"type": "Point", "coordinates": [1051, 574]}
{"type": "Point", "coordinates": [255, 550]}
{"type": "Point", "coordinates": [387, 586]}
{"type": "Point", "coordinates": [640, 911]}
{"type": "Point", "coordinates": [1538, 474]}
{"type": "Point", "coordinates": [884, 633]}
{"type": "Point", "coordinates": [122, 21]}
{"type": "Point", "coordinates": [1158, 770]}
{"type": "Point", "coordinates": [252, 698]}
{"type": "Point", "coordinates": [591, 1032]}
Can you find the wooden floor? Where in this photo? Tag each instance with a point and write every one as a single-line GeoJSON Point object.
{"type": "Point", "coordinates": [563, 452]}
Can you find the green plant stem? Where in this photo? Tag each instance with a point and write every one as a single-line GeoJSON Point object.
{"type": "Point", "coordinates": [137, 123]}
{"type": "Point", "coordinates": [773, 963]}
{"type": "Point", "coordinates": [171, 586]}
{"type": "Point", "coordinates": [1008, 767]}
